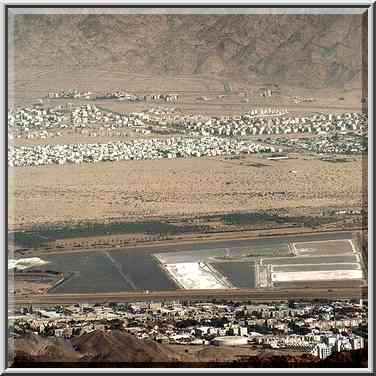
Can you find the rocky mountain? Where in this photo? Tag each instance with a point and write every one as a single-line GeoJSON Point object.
{"type": "Point", "coordinates": [94, 347]}
{"type": "Point", "coordinates": [117, 346]}
{"type": "Point", "coordinates": [305, 50]}
{"type": "Point", "coordinates": [34, 348]}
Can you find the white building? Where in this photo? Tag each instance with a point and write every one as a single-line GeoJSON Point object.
{"type": "Point", "coordinates": [322, 350]}
{"type": "Point", "coordinates": [230, 341]}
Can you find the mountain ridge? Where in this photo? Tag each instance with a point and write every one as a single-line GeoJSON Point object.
{"type": "Point", "coordinates": [312, 51]}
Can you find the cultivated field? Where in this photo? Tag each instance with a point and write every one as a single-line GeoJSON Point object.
{"type": "Point", "coordinates": [142, 189]}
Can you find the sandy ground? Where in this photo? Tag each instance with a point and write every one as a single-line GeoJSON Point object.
{"type": "Point", "coordinates": [28, 88]}
{"type": "Point", "coordinates": [27, 288]}
{"type": "Point", "coordinates": [234, 104]}
{"type": "Point", "coordinates": [222, 353]}
{"type": "Point", "coordinates": [177, 187]}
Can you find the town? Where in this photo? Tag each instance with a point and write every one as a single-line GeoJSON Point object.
{"type": "Point", "coordinates": [331, 144]}
{"type": "Point", "coordinates": [136, 150]}
{"type": "Point", "coordinates": [319, 327]}
{"type": "Point", "coordinates": [262, 121]}
{"type": "Point", "coordinates": [194, 135]}
{"type": "Point", "coordinates": [113, 94]}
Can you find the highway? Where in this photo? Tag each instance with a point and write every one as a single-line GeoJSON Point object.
{"type": "Point", "coordinates": [260, 295]}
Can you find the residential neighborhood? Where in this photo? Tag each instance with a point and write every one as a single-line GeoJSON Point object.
{"type": "Point", "coordinates": [318, 328]}
{"type": "Point", "coordinates": [196, 136]}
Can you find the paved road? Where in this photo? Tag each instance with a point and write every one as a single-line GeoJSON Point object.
{"type": "Point", "coordinates": [245, 294]}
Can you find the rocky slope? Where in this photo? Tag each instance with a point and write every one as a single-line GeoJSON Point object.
{"type": "Point", "coordinates": [306, 50]}
{"type": "Point", "coordinates": [94, 347]}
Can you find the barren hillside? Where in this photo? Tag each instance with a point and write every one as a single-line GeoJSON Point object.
{"type": "Point", "coordinates": [311, 51]}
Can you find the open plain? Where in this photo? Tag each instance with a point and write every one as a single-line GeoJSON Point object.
{"type": "Point", "coordinates": [142, 189]}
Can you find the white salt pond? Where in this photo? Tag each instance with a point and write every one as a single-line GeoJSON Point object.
{"type": "Point", "coordinates": [323, 275]}
{"type": "Point", "coordinates": [24, 263]}
{"type": "Point", "coordinates": [194, 275]}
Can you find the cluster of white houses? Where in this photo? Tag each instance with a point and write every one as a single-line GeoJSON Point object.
{"type": "Point", "coordinates": [302, 99]}
{"type": "Point", "coordinates": [169, 97]}
{"type": "Point", "coordinates": [329, 144]}
{"type": "Point", "coordinates": [317, 343]}
{"type": "Point", "coordinates": [180, 147]}
{"type": "Point", "coordinates": [34, 122]}
{"type": "Point", "coordinates": [204, 135]}
{"type": "Point", "coordinates": [263, 121]}
{"type": "Point", "coordinates": [89, 115]}
{"type": "Point", "coordinates": [25, 120]}
{"type": "Point", "coordinates": [37, 134]}
{"type": "Point", "coordinates": [122, 96]}
{"type": "Point", "coordinates": [114, 94]}
{"type": "Point", "coordinates": [70, 93]}
{"type": "Point", "coordinates": [268, 122]}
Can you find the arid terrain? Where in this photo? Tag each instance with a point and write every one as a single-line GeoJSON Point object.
{"type": "Point", "coordinates": [300, 54]}
{"type": "Point", "coordinates": [303, 50]}
{"type": "Point", "coordinates": [142, 189]}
